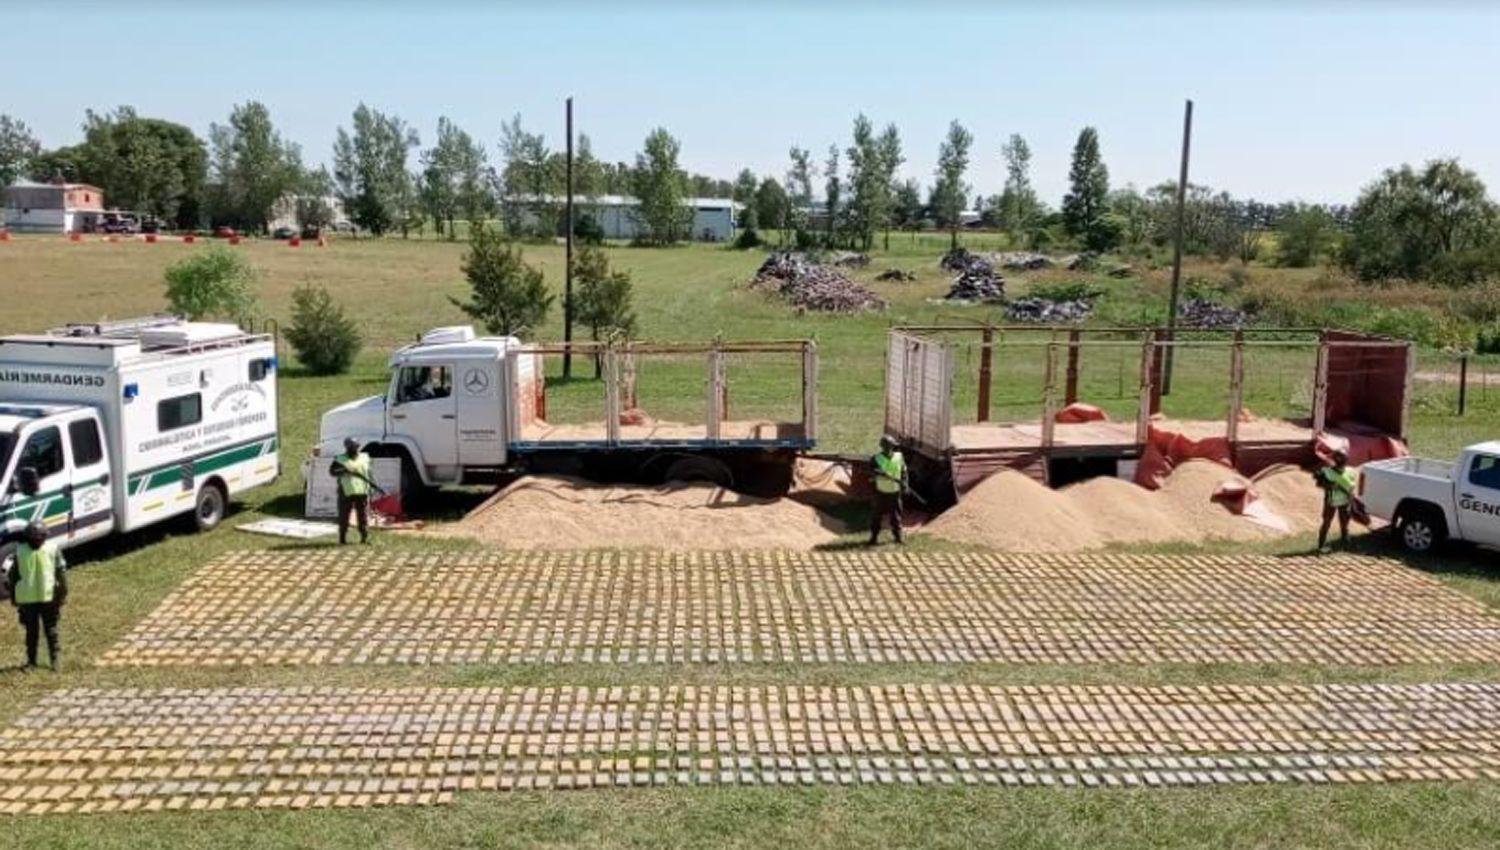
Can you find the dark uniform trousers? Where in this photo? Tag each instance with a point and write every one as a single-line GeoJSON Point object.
{"type": "Point", "coordinates": [887, 506]}
{"type": "Point", "coordinates": [361, 507]}
{"type": "Point", "coordinates": [36, 618]}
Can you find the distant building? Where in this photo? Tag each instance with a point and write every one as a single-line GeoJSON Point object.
{"type": "Point", "coordinates": [284, 212]}
{"type": "Point", "coordinates": [619, 216]}
{"type": "Point", "coordinates": [52, 207]}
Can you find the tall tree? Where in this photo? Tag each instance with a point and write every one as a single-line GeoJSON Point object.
{"type": "Point", "coordinates": [1438, 223]}
{"type": "Point", "coordinates": [455, 178]}
{"type": "Point", "coordinates": [18, 148]}
{"type": "Point", "coordinates": [950, 194]}
{"type": "Point", "coordinates": [251, 167]}
{"type": "Point", "coordinates": [528, 180]}
{"type": "Point", "coordinates": [658, 184]}
{"type": "Point", "coordinates": [1018, 201]}
{"type": "Point", "coordinates": [772, 209]}
{"type": "Point", "coordinates": [745, 187]}
{"type": "Point", "coordinates": [799, 187]}
{"type": "Point", "coordinates": [908, 205]}
{"type": "Point", "coordinates": [59, 165]}
{"type": "Point", "coordinates": [369, 170]}
{"type": "Point", "coordinates": [889, 149]}
{"type": "Point", "coordinates": [833, 189]}
{"type": "Point", "coordinates": [603, 301]}
{"type": "Point", "coordinates": [507, 295]}
{"type": "Point", "coordinates": [589, 179]}
{"type": "Point", "coordinates": [144, 164]}
{"type": "Point", "coordinates": [1086, 202]}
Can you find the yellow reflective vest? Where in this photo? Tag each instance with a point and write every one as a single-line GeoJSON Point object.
{"type": "Point", "coordinates": [1341, 484]}
{"type": "Point", "coordinates": [36, 581]}
{"type": "Point", "coordinates": [358, 467]}
{"type": "Point", "coordinates": [890, 472]}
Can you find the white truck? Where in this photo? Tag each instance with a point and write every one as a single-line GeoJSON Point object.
{"type": "Point", "coordinates": [1430, 501]}
{"type": "Point", "coordinates": [111, 427]}
{"type": "Point", "coordinates": [465, 409]}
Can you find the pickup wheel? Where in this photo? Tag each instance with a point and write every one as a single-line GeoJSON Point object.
{"type": "Point", "coordinates": [1420, 529]}
{"type": "Point", "coordinates": [208, 512]}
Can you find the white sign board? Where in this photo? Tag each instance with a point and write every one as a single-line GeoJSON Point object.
{"type": "Point", "coordinates": [323, 488]}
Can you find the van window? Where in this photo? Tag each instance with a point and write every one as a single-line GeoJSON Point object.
{"type": "Point", "coordinates": [179, 412]}
{"type": "Point", "coordinates": [424, 383]}
{"type": "Point", "coordinates": [43, 452]}
{"type": "Point", "coordinates": [83, 436]}
{"type": "Point", "coordinates": [258, 369]}
{"type": "Point", "coordinates": [1485, 472]}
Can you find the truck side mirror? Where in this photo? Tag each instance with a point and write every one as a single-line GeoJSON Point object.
{"type": "Point", "coordinates": [28, 481]}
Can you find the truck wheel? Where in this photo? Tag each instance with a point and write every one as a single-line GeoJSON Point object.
{"type": "Point", "coordinates": [1421, 530]}
{"type": "Point", "coordinates": [209, 510]}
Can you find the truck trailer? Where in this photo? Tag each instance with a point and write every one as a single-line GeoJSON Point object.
{"type": "Point", "coordinates": [111, 427]}
{"type": "Point", "coordinates": [464, 409]}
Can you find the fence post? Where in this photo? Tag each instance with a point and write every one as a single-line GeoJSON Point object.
{"type": "Point", "coordinates": [986, 361]}
{"type": "Point", "coordinates": [1463, 383]}
{"type": "Point", "coordinates": [1049, 397]}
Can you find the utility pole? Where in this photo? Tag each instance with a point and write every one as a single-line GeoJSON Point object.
{"type": "Point", "coordinates": [568, 259]}
{"type": "Point", "coordinates": [1182, 179]}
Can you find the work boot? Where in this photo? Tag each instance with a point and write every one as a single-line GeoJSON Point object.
{"type": "Point", "coordinates": [56, 664]}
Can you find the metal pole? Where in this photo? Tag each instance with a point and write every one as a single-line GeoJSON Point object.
{"type": "Point", "coordinates": [986, 358]}
{"type": "Point", "coordinates": [1182, 179]}
{"type": "Point", "coordinates": [1463, 383]}
{"type": "Point", "coordinates": [568, 272]}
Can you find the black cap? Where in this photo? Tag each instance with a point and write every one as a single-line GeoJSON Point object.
{"type": "Point", "coordinates": [351, 444]}
{"type": "Point", "coordinates": [35, 531]}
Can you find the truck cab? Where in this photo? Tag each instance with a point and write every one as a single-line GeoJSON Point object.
{"type": "Point", "coordinates": [443, 411]}
{"type": "Point", "coordinates": [1430, 501]}
{"type": "Point", "coordinates": [55, 468]}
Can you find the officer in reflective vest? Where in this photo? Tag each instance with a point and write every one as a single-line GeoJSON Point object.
{"type": "Point", "coordinates": [889, 469]}
{"type": "Point", "coordinates": [1338, 483]}
{"type": "Point", "coordinates": [352, 469]}
{"type": "Point", "coordinates": [38, 587]}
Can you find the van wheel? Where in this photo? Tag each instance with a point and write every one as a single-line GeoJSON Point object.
{"type": "Point", "coordinates": [1421, 530]}
{"type": "Point", "coordinates": [209, 510]}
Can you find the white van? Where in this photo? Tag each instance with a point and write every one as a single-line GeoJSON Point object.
{"type": "Point", "coordinates": [110, 427]}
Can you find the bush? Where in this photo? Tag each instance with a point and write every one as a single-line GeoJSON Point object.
{"type": "Point", "coordinates": [1487, 341]}
{"type": "Point", "coordinates": [509, 297]}
{"type": "Point", "coordinates": [588, 230]}
{"type": "Point", "coordinates": [326, 340]}
{"type": "Point", "coordinates": [747, 239]}
{"type": "Point", "coordinates": [214, 284]}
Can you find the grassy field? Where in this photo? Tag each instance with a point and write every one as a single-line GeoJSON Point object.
{"type": "Point", "coordinates": [396, 289]}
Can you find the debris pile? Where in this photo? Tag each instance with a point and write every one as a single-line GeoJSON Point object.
{"type": "Point", "coordinates": [812, 286]}
{"type": "Point", "coordinates": [1011, 512]}
{"type": "Point", "coordinates": [964, 261]}
{"type": "Point", "coordinates": [1042, 310]}
{"type": "Point", "coordinates": [1085, 262]}
{"type": "Point", "coordinates": [546, 512]}
{"type": "Point", "coordinates": [897, 276]}
{"type": "Point", "coordinates": [848, 259]}
{"type": "Point", "coordinates": [1024, 261]}
{"type": "Point", "coordinates": [1202, 313]}
{"type": "Point", "coordinates": [977, 285]}
{"type": "Point", "coordinates": [1119, 270]}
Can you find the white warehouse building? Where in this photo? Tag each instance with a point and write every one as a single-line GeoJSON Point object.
{"type": "Point", "coordinates": [713, 218]}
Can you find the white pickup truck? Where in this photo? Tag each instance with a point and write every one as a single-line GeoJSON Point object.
{"type": "Point", "coordinates": [1430, 501]}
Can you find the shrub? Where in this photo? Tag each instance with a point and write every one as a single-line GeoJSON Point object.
{"type": "Point", "coordinates": [588, 230]}
{"type": "Point", "coordinates": [1487, 341]}
{"type": "Point", "coordinates": [326, 340]}
{"type": "Point", "coordinates": [214, 284]}
{"type": "Point", "coordinates": [747, 239]}
{"type": "Point", "coordinates": [508, 296]}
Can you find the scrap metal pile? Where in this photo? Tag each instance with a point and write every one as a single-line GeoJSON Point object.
{"type": "Point", "coordinates": [1043, 311]}
{"type": "Point", "coordinates": [1202, 313]}
{"type": "Point", "coordinates": [977, 279]}
{"type": "Point", "coordinates": [897, 276]}
{"type": "Point", "coordinates": [809, 285]}
{"type": "Point", "coordinates": [1023, 261]}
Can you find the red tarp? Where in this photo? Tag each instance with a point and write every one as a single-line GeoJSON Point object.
{"type": "Point", "coordinates": [1080, 412]}
{"type": "Point", "coordinates": [1165, 449]}
{"type": "Point", "coordinates": [1360, 442]}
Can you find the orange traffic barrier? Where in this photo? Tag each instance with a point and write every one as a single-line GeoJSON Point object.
{"type": "Point", "coordinates": [234, 240]}
{"type": "Point", "coordinates": [75, 237]}
{"type": "Point", "coordinates": [189, 239]}
{"type": "Point", "coordinates": [294, 242]}
{"type": "Point", "coordinates": [151, 238]}
{"type": "Point", "coordinates": [4, 235]}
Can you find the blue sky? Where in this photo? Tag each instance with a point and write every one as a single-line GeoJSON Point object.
{"type": "Point", "coordinates": [1292, 100]}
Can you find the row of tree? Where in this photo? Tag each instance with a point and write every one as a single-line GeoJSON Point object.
{"type": "Point", "coordinates": [384, 179]}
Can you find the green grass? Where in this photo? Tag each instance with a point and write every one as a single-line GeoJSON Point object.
{"type": "Point", "coordinates": [396, 289]}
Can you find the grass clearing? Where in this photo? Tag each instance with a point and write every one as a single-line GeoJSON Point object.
{"type": "Point", "coordinates": [396, 289]}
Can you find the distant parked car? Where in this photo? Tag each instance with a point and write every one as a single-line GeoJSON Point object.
{"type": "Point", "coordinates": [118, 224]}
{"type": "Point", "coordinates": [283, 233]}
{"type": "Point", "coordinates": [150, 225]}
{"type": "Point", "coordinates": [311, 232]}
{"type": "Point", "coordinates": [224, 232]}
